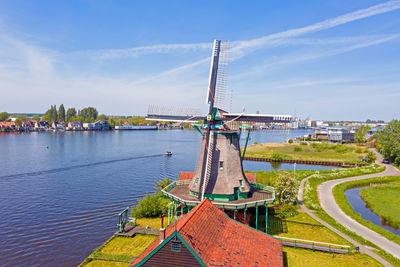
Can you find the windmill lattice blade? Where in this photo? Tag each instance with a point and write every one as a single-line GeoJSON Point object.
{"type": "Point", "coordinates": [222, 75]}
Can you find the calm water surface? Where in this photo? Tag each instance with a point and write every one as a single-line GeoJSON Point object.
{"type": "Point", "coordinates": [60, 193]}
{"type": "Point", "coordinates": [359, 206]}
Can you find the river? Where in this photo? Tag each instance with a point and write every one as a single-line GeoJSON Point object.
{"type": "Point", "coordinates": [359, 206]}
{"type": "Point", "coordinates": [60, 193]}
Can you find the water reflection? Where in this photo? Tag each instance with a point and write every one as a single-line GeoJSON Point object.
{"type": "Point", "coordinates": [359, 206]}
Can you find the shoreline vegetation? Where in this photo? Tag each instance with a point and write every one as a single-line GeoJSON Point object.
{"type": "Point", "coordinates": [383, 202]}
{"type": "Point", "coordinates": [343, 153]}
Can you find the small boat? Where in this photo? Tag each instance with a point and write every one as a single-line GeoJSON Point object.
{"type": "Point", "coordinates": [168, 153]}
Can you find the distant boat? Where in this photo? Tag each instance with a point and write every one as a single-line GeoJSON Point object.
{"type": "Point", "coordinates": [168, 153]}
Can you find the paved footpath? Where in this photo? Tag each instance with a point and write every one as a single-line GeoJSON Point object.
{"type": "Point", "coordinates": [364, 249]}
{"type": "Point", "coordinates": [330, 206]}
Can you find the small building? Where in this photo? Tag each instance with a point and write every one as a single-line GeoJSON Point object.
{"type": "Point", "coordinates": [7, 125]}
{"type": "Point", "coordinates": [75, 126]}
{"type": "Point", "coordinates": [339, 134]}
{"type": "Point", "coordinates": [104, 124]}
{"type": "Point", "coordinates": [206, 236]}
{"type": "Point", "coordinates": [58, 125]}
{"type": "Point", "coordinates": [26, 125]}
{"type": "Point", "coordinates": [94, 126]}
{"type": "Point", "coordinates": [41, 125]}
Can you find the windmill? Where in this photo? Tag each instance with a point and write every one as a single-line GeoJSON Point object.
{"type": "Point", "coordinates": [219, 174]}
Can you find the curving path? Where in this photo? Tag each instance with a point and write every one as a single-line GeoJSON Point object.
{"type": "Point", "coordinates": [364, 249]}
{"type": "Point", "coordinates": [330, 206]}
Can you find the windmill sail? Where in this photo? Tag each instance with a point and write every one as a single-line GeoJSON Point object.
{"type": "Point", "coordinates": [216, 92]}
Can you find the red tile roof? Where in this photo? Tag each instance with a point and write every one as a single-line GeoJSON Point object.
{"type": "Point", "coordinates": [183, 176]}
{"type": "Point", "coordinates": [251, 177]}
{"type": "Point", "coordinates": [220, 241]}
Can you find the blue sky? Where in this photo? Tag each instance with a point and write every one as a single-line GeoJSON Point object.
{"type": "Point", "coordinates": [333, 60]}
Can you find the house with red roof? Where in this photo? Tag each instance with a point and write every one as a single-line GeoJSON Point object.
{"type": "Point", "coordinates": [7, 125]}
{"type": "Point", "coordinates": [206, 236]}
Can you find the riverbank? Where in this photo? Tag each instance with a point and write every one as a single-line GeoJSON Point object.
{"type": "Point", "coordinates": [315, 152]}
{"type": "Point", "coordinates": [384, 199]}
{"type": "Point", "coordinates": [343, 203]}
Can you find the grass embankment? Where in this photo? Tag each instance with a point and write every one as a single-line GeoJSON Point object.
{"type": "Point", "coordinates": [151, 222]}
{"type": "Point", "coordinates": [119, 251]}
{"type": "Point", "coordinates": [302, 257]}
{"type": "Point", "coordinates": [311, 201]}
{"type": "Point", "coordinates": [347, 153]}
{"type": "Point", "coordinates": [383, 200]}
{"type": "Point", "coordinates": [302, 226]}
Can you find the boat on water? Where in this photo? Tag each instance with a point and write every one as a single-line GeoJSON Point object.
{"type": "Point", "coordinates": [168, 153]}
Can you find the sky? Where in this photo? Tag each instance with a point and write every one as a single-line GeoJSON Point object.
{"type": "Point", "coordinates": [329, 60]}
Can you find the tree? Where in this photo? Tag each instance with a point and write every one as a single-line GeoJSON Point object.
{"type": "Point", "coordinates": [371, 157]}
{"type": "Point", "coordinates": [389, 139]}
{"type": "Point", "coordinates": [360, 134]}
{"type": "Point", "coordinates": [61, 113]}
{"type": "Point", "coordinates": [102, 117]}
{"type": "Point", "coordinates": [4, 116]}
{"type": "Point", "coordinates": [161, 184]}
{"type": "Point", "coordinates": [36, 118]}
{"type": "Point", "coordinates": [89, 114]}
{"type": "Point", "coordinates": [286, 188]}
{"type": "Point", "coordinates": [71, 113]}
{"type": "Point", "coordinates": [150, 206]}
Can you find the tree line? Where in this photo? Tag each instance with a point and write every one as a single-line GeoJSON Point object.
{"type": "Point", "coordinates": [388, 140]}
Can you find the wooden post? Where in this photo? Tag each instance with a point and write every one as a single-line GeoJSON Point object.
{"type": "Point", "coordinates": [234, 215]}
{"type": "Point", "coordinates": [245, 209]}
{"type": "Point", "coordinates": [256, 216]}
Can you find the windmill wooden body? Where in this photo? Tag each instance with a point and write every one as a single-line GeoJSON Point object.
{"type": "Point", "coordinates": [219, 175]}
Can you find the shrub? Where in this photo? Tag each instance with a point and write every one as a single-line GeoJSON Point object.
{"type": "Point", "coordinates": [371, 157]}
{"type": "Point", "coordinates": [297, 149]}
{"type": "Point", "coordinates": [276, 156]}
{"type": "Point", "coordinates": [290, 141]}
{"type": "Point", "coordinates": [358, 150]}
{"type": "Point", "coordinates": [150, 206]}
{"type": "Point", "coordinates": [255, 143]}
{"type": "Point", "coordinates": [397, 162]}
{"type": "Point", "coordinates": [286, 210]}
{"type": "Point", "coordinates": [286, 188]}
{"type": "Point", "coordinates": [303, 143]}
{"type": "Point", "coordinates": [341, 149]}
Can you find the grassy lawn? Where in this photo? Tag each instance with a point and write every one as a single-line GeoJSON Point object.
{"type": "Point", "coordinates": [152, 222]}
{"type": "Point", "coordinates": [349, 153]}
{"type": "Point", "coordinates": [302, 257]}
{"type": "Point", "coordinates": [119, 251]}
{"type": "Point", "coordinates": [127, 245]}
{"type": "Point", "coordinates": [302, 226]}
{"type": "Point", "coordinates": [384, 200]}
{"type": "Point", "coordinates": [102, 263]}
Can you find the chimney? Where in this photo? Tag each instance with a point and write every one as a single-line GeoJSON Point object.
{"type": "Point", "coordinates": [162, 235]}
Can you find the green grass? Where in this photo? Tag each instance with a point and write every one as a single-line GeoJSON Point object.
{"type": "Point", "coordinates": [130, 246]}
{"type": "Point", "coordinates": [349, 153]}
{"type": "Point", "coordinates": [338, 192]}
{"type": "Point", "coordinates": [384, 200]}
{"type": "Point", "coordinates": [307, 258]}
{"type": "Point", "coordinates": [103, 263]}
{"type": "Point", "coordinates": [311, 201]}
{"type": "Point", "coordinates": [151, 222]}
{"type": "Point", "coordinates": [302, 226]}
{"type": "Point", "coordinates": [119, 250]}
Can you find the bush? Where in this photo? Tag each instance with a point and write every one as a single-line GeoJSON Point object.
{"type": "Point", "coordinates": [341, 149]}
{"type": "Point", "coordinates": [290, 141]}
{"type": "Point", "coordinates": [303, 143]}
{"type": "Point", "coordinates": [286, 188]}
{"type": "Point", "coordinates": [297, 149]}
{"type": "Point", "coordinates": [277, 156]}
{"type": "Point", "coordinates": [286, 210]}
{"type": "Point", "coordinates": [150, 206]}
{"type": "Point", "coordinates": [255, 143]}
{"type": "Point", "coordinates": [359, 150]}
{"type": "Point", "coordinates": [397, 162]}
